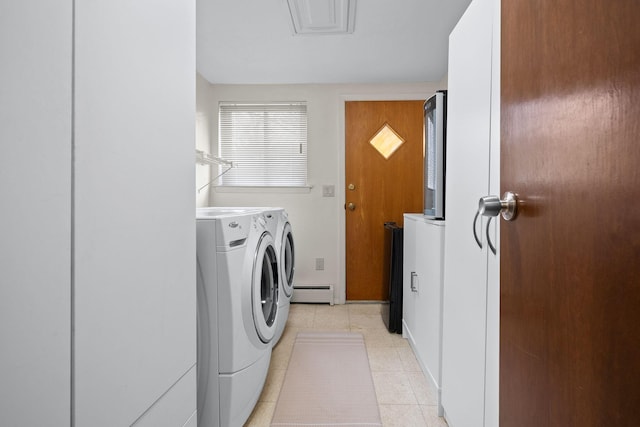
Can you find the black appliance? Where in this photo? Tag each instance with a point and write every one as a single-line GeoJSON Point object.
{"type": "Point", "coordinates": [392, 312]}
{"type": "Point", "coordinates": [435, 124]}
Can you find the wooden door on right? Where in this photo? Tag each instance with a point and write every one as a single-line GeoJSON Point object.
{"type": "Point", "coordinates": [570, 262]}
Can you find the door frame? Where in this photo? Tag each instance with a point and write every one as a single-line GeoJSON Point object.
{"type": "Point", "coordinates": [413, 94]}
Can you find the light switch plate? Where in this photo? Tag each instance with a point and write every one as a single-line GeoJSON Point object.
{"type": "Point", "coordinates": [328, 191]}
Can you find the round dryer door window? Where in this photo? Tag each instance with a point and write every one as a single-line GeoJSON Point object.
{"type": "Point", "coordinates": [287, 260]}
{"type": "Point", "coordinates": [265, 288]}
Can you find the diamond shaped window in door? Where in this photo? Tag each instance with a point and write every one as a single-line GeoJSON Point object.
{"type": "Point", "coordinates": [386, 141]}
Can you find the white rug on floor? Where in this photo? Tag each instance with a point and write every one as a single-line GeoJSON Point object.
{"type": "Point", "coordinates": [328, 383]}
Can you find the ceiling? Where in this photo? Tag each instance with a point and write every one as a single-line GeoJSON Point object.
{"type": "Point", "coordinates": [394, 41]}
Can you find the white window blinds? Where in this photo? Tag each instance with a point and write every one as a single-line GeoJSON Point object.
{"type": "Point", "coordinates": [267, 143]}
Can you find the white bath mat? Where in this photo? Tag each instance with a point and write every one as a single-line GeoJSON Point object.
{"type": "Point", "coordinates": [328, 383]}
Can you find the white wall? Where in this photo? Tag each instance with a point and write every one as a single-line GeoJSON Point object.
{"type": "Point", "coordinates": [318, 222]}
{"type": "Point", "coordinates": [204, 110]}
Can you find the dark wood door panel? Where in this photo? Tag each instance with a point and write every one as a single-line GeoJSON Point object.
{"type": "Point", "coordinates": [570, 264]}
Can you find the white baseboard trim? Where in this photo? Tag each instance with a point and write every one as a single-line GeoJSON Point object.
{"type": "Point", "coordinates": [313, 294]}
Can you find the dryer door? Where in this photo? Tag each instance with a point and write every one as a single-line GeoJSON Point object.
{"type": "Point", "coordinates": [264, 288]}
{"type": "Point", "coordinates": [287, 260]}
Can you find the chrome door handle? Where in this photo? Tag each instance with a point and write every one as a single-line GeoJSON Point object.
{"type": "Point", "coordinates": [491, 247]}
{"type": "Point", "coordinates": [493, 205]}
{"type": "Point", "coordinates": [475, 235]}
{"type": "Point", "coordinates": [414, 281]}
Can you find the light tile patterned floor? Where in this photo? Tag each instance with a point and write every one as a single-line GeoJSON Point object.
{"type": "Point", "coordinates": [404, 396]}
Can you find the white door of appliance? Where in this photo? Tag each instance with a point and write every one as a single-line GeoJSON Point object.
{"type": "Point", "coordinates": [264, 288]}
{"type": "Point", "coordinates": [287, 261]}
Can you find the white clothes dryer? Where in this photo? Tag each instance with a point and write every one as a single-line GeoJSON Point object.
{"type": "Point", "coordinates": [237, 310]}
{"type": "Point", "coordinates": [286, 263]}
{"type": "Point", "coordinates": [272, 217]}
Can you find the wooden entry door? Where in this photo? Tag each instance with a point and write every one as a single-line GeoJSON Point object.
{"type": "Point", "coordinates": [378, 189]}
{"type": "Point", "coordinates": [570, 263]}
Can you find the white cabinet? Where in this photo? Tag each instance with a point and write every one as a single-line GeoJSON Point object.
{"type": "Point", "coordinates": [422, 293]}
{"type": "Point", "coordinates": [97, 257]}
{"type": "Point", "coordinates": [35, 212]}
{"type": "Point", "coordinates": [409, 275]}
{"type": "Point", "coordinates": [134, 210]}
{"type": "Point", "coordinates": [470, 330]}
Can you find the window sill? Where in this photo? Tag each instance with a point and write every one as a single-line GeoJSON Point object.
{"type": "Point", "coordinates": [267, 189]}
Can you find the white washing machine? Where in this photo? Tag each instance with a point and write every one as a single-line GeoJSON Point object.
{"type": "Point", "coordinates": [272, 217]}
{"type": "Point", "coordinates": [237, 310]}
{"type": "Point", "coordinates": [225, 210]}
{"type": "Point", "coordinates": [286, 263]}
{"type": "Point", "coordinates": [279, 226]}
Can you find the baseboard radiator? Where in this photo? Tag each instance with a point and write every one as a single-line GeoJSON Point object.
{"type": "Point", "coordinates": [313, 294]}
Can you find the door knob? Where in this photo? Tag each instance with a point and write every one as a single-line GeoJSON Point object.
{"type": "Point", "coordinates": [351, 206]}
{"type": "Point", "coordinates": [493, 205]}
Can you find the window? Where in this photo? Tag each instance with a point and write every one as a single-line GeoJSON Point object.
{"type": "Point", "coordinates": [267, 144]}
